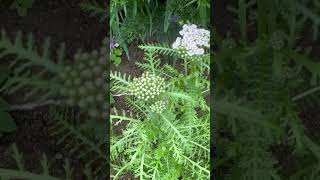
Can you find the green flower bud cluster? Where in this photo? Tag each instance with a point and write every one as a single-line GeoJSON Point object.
{"type": "Point", "coordinates": [148, 86]}
{"type": "Point", "coordinates": [84, 83]}
{"type": "Point", "coordinates": [276, 40]}
{"type": "Point", "coordinates": [184, 55]}
{"type": "Point", "coordinates": [158, 107]}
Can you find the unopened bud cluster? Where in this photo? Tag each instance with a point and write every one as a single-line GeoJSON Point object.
{"type": "Point", "coordinates": [193, 41]}
{"type": "Point", "coordinates": [158, 107]}
{"type": "Point", "coordinates": [276, 40]}
{"type": "Point", "coordinates": [148, 86]}
{"type": "Point", "coordinates": [84, 83]}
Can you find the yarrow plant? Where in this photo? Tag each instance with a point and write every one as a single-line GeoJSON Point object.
{"type": "Point", "coordinates": [148, 86]}
{"type": "Point", "coordinates": [193, 42]}
{"type": "Point", "coordinates": [168, 131]}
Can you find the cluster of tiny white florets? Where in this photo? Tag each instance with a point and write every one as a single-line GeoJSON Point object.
{"type": "Point", "coordinates": [148, 86]}
{"type": "Point", "coordinates": [158, 107]}
{"type": "Point", "coordinates": [193, 42]}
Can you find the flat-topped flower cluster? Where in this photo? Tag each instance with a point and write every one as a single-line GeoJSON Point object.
{"type": "Point", "coordinates": [83, 84]}
{"type": "Point", "coordinates": [148, 86]}
{"type": "Point", "coordinates": [158, 107]}
{"type": "Point", "coordinates": [193, 42]}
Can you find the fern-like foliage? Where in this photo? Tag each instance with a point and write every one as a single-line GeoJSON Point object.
{"type": "Point", "coordinates": [40, 74]}
{"type": "Point", "coordinates": [159, 48]}
{"type": "Point", "coordinates": [96, 9]}
{"type": "Point", "coordinates": [261, 89]}
{"type": "Point", "coordinates": [77, 142]}
{"type": "Point", "coordinates": [30, 68]}
{"type": "Point", "coordinates": [310, 11]}
{"type": "Point", "coordinates": [151, 63]}
{"type": "Point", "coordinates": [119, 81]}
{"type": "Point", "coordinates": [22, 173]}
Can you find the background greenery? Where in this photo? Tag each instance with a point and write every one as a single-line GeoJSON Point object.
{"type": "Point", "coordinates": [264, 81]}
{"type": "Point", "coordinates": [36, 72]}
{"type": "Point", "coordinates": [154, 19]}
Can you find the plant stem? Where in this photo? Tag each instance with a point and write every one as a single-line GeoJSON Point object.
{"type": "Point", "coordinates": [185, 67]}
{"type": "Point", "coordinates": [306, 93]}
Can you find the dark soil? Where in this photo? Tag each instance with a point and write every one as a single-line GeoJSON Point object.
{"type": "Point", "coordinates": [128, 67]}
{"type": "Point", "coordinates": [62, 21]}
{"type": "Point", "coordinates": [33, 139]}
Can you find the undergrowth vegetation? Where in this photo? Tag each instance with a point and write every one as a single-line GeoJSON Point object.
{"type": "Point", "coordinates": [73, 90]}
{"type": "Point", "coordinates": [53, 81]}
{"type": "Point", "coordinates": [168, 125]}
{"type": "Point", "coordinates": [154, 19]}
{"type": "Point", "coordinates": [263, 84]}
{"type": "Point", "coordinates": [165, 127]}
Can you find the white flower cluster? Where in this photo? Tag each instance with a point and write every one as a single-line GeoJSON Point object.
{"type": "Point", "coordinates": [148, 86]}
{"type": "Point", "coordinates": [193, 42]}
{"type": "Point", "coordinates": [158, 107]}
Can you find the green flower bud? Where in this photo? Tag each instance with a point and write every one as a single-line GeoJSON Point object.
{"type": "Point", "coordinates": [68, 82]}
{"type": "Point", "coordinates": [97, 70]}
{"type": "Point", "coordinates": [83, 103]}
{"type": "Point", "coordinates": [92, 63]}
{"type": "Point", "coordinates": [81, 66]}
{"type": "Point", "coordinates": [158, 107]}
{"type": "Point", "coordinates": [74, 73]}
{"type": "Point", "coordinates": [89, 85]}
{"type": "Point", "coordinates": [94, 54]}
{"type": "Point", "coordinates": [276, 40]}
{"type": "Point", "coordinates": [82, 91]}
{"type": "Point", "coordinates": [77, 81]}
{"type": "Point", "coordinates": [63, 91]}
{"type": "Point", "coordinates": [72, 92]}
{"type": "Point", "coordinates": [86, 73]}
{"type": "Point", "coordinates": [84, 56]}
{"type": "Point", "coordinates": [90, 99]}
